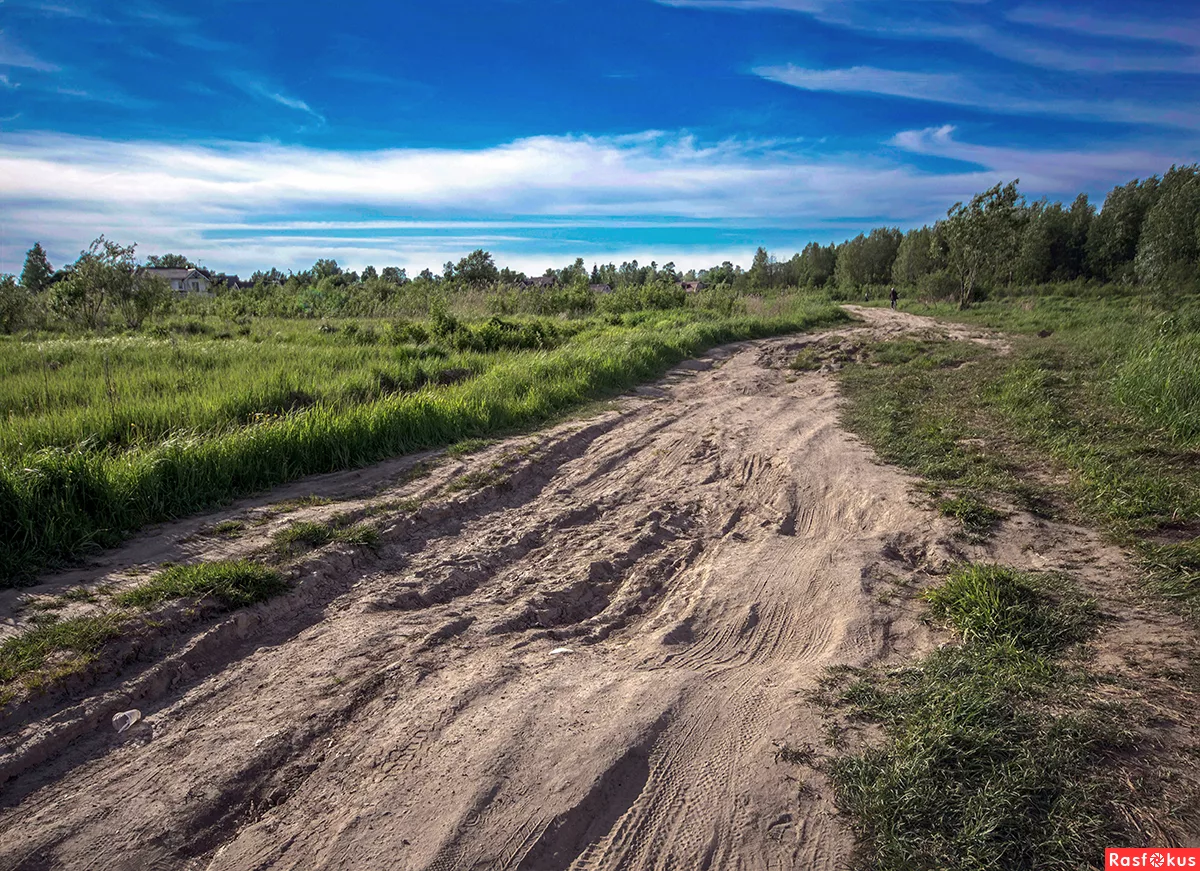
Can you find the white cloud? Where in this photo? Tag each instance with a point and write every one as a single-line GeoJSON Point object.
{"type": "Point", "coordinates": [1039, 170]}
{"type": "Point", "coordinates": [957, 90]}
{"type": "Point", "coordinates": [241, 206]}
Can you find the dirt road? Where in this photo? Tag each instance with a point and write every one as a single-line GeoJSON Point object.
{"type": "Point", "coordinates": [572, 650]}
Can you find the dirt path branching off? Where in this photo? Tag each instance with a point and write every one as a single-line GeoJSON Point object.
{"type": "Point", "coordinates": [594, 648]}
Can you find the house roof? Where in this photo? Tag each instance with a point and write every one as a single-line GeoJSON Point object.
{"type": "Point", "coordinates": [173, 274]}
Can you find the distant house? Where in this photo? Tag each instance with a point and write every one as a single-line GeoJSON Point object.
{"type": "Point", "coordinates": [692, 286]}
{"type": "Point", "coordinates": [600, 288]}
{"type": "Point", "coordinates": [541, 281]}
{"type": "Point", "coordinates": [233, 282]}
{"type": "Point", "coordinates": [182, 281]}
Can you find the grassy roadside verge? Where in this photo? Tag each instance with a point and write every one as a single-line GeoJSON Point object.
{"type": "Point", "coordinates": [995, 751]}
{"type": "Point", "coordinates": [1006, 750]}
{"type": "Point", "coordinates": [1059, 426]}
{"type": "Point", "coordinates": [57, 504]}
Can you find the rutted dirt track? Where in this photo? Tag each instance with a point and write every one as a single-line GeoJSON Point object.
{"type": "Point", "coordinates": [582, 663]}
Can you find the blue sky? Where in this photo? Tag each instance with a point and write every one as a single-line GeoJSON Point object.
{"type": "Point", "coordinates": [249, 134]}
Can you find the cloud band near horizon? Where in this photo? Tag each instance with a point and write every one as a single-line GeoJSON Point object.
{"type": "Point", "coordinates": [243, 206]}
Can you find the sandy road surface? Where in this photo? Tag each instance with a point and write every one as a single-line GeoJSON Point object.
{"type": "Point", "coordinates": [702, 551]}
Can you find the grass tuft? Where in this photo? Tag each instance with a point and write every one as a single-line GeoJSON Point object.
{"type": "Point", "coordinates": [233, 584]}
{"type": "Point", "coordinates": [57, 646]}
{"type": "Point", "coordinates": [976, 517]}
{"type": "Point", "coordinates": [996, 605]}
{"type": "Point", "coordinates": [314, 533]}
{"type": "Point", "coordinates": [303, 533]}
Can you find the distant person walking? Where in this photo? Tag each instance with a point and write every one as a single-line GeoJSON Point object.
{"type": "Point", "coordinates": [895, 296]}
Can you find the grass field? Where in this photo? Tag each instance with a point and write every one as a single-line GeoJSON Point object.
{"type": "Point", "coordinates": [101, 436]}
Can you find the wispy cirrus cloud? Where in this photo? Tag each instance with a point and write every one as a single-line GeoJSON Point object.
{"type": "Point", "coordinates": [99, 92]}
{"type": "Point", "coordinates": [958, 90]}
{"type": "Point", "coordinates": [14, 55]}
{"type": "Point", "coordinates": [972, 23]}
{"type": "Point", "coordinates": [254, 204]}
{"type": "Point", "coordinates": [1038, 169]}
{"type": "Point", "coordinates": [1178, 32]}
{"type": "Point", "coordinates": [263, 90]}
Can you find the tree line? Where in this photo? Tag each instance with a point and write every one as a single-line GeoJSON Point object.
{"type": "Point", "coordinates": [1147, 234]}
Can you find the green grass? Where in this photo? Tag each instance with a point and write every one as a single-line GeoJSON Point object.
{"type": "Point", "coordinates": [232, 584]}
{"type": "Point", "coordinates": [306, 534]}
{"type": "Point", "coordinates": [61, 501]}
{"type": "Point", "coordinates": [1093, 419]}
{"type": "Point", "coordinates": [228, 528]}
{"type": "Point", "coordinates": [58, 647]}
{"type": "Point", "coordinates": [976, 517]}
{"type": "Point", "coordinates": [992, 755]}
{"type": "Point", "coordinates": [998, 605]}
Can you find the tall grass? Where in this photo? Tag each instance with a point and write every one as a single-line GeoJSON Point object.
{"type": "Point", "coordinates": [138, 389]}
{"type": "Point", "coordinates": [58, 502]}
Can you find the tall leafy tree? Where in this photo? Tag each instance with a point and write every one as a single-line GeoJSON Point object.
{"type": "Point", "coordinates": [37, 274]}
{"type": "Point", "coordinates": [394, 275]}
{"type": "Point", "coordinates": [981, 238]}
{"type": "Point", "coordinates": [817, 264]}
{"type": "Point", "coordinates": [325, 269]}
{"type": "Point", "coordinates": [107, 276]}
{"type": "Point", "coordinates": [760, 269]}
{"type": "Point", "coordinates": [477, 269]}
{"type": "Point", "coordinates": [170, 261]}
{"type": "Point", "coordinates": [14, 303]}
{"type": "Point", "coordinates": [369, 273]}
{"type": "Point", "coordinates": [917, 258]}
{"type": "Point", "coordinates": [1114, 234]}
{"type": "Point", "coordinates": [1169, 246]}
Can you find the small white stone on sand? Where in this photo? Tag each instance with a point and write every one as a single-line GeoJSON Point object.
{"type": "Point", "coordinates": [556, 651]}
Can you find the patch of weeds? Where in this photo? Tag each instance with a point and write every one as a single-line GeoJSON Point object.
{"type": "Point", "coordinates": [801, 754]}
{"type": "Point", "coordinates": [976, 517]}
{"type": "Point", "coordinates": [304, 533]}
{"type": "Point", "coordinates": [310, 501]}
{"type": "Point", "coordinates": [1174, 571]}
{"type": "Point", "coordinates": [808, 360]}
{"type": "Point", "coordinates": [468, 446]}
{"type": "Point", "coordinates": [998, 605]}
{"type": "Point", "coordinates": [312, 534]}
{"type": "Point", "coordinates": [228, 528]}
{"type": "Point", "coordinates": [401, 506]}
{"type": "Point", "coordinates": [363, 534]}
{"type": "Point", "coordinates": [234, 584]}
{"type": "Point", "coordinates": [976, 772]}
{"type": "Point", "coordinates": [476, 480]}
{"type": "Point", "coordinates": [53, 647]}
